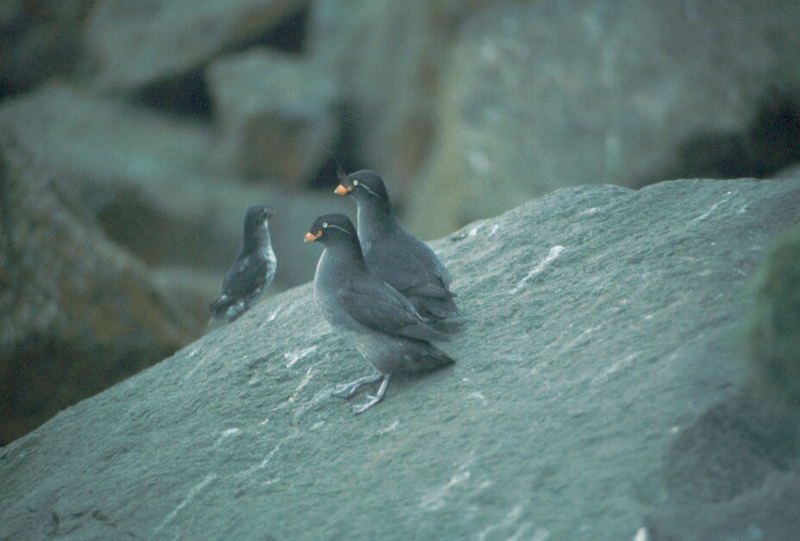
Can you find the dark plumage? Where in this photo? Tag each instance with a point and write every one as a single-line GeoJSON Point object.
{"type": "Point", "coordinates": [368, 313]}
{"type": "Point", "coordinates": [394, 254]}
{"type": "Point", "coordinates": [253, 270]}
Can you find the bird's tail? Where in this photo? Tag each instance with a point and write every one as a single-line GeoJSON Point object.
{"type": "Point", "coordinates": [425, 357]}
{"type": "Point", "coordinates": [451, 325]}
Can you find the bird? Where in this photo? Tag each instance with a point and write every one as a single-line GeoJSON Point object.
{"type": "Point", "coordinates": [368, 313]}
{"type": "Point", "coordinates": [251, 273]}
{"type": "Point", "coordinates": [394, 254]}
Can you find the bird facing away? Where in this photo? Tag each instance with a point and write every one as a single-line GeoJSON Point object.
{"type": "Point", "coordinates": [372, 316]}
{"type": "Point", "coordinates": [394, 254]}
{"type": "Point", "coordinates": [253, 270]}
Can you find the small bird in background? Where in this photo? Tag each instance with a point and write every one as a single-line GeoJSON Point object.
{"type": "Point", "coordinates": [371, 315]}
{"type": "Point", "coordinates": [251, 273]}
{"type": "Point", "coordinates": [397, 256]}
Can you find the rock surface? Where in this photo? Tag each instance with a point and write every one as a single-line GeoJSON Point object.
{"type": "Point", "coordinates": [276, 115]}
{"type": "Point", "coordinates": [540, 95]}
{"type": "Point", "coordinates": [605, 324]}
{"type": "Point", "coordinates": [130, 45]}
{"type": "Point", "coordinates": [77, 313]}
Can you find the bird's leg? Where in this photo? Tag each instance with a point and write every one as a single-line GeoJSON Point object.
{"type": "Point", "coordinates": [346, 390]}
{"type": "Point", "coordinates": [373, 399]}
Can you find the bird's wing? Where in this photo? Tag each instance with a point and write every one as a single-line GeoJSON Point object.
{"type": "Point", "coordinates": [414, 267]}
{"type": "Point", "coordinates": [247, 275]}
{"type": "Point", "coordinates": [379, 306]}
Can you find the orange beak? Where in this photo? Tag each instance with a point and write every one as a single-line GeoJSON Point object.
{"type": "Point", "coordinates": [341, 189]}
{"type": "Point", "coordinates": [311, 237]}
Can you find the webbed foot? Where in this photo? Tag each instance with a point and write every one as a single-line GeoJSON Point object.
{"type": "Point", "coordinates": [373, 399]}
{"type": "Point", "coordinates": [347, 390]}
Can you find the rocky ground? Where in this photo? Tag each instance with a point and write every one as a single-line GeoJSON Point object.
{"type": "Point", "coordinates": [600, 392]}
{"type": "Point", "coordinates": [156, 124]}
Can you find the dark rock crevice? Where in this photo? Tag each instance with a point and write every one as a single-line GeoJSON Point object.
{"type": "Point", "coordinates": [188, 95]}
{"type": "Point", "coordinates": [769, 143]}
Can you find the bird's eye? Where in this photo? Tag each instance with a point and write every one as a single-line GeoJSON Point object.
{"type": "Point", "coordinates": [324, 224]}
{"type": "Point", "coordinates": [355, 183]}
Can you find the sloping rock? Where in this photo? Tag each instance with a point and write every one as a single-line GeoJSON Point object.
{"type": "Point", "coordinates": [133, 44]}
{"type": "Point", "coordinates": [276, 115]}
{"type": "Point", "coordinates": [603, 323]}
{"type": "Point", "coordinates": [541, 95]}
{"type": "Point", "coordinates": [77, 313]}
{"type": "Point", "coordinates": [156, 183]}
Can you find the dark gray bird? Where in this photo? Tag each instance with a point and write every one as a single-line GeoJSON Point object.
{"type": "Point", "coordinates": [394, 254]}
{"type": "Point", "coordinates": [253, 270]}
{"type": "Point", "coordinates": [368, 313]}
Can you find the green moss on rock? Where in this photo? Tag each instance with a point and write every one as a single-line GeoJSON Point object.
{"type": "Point", "coordinates": [775, 332]}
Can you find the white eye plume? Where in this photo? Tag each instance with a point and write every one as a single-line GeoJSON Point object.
{"type": "Point", "coordinates": [355, 183]}
{"type": "Point", "coordinates": [324, 224]}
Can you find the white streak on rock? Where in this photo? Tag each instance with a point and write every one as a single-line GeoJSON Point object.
{"type": "Point", "coordinates": [580, 338]}
{"type": "Point", "coordinates": [265, 462]}
{"type": "Point", "coordinates": [554, 252]}
{"type": "Point", "coordinates": [269, 482]}
{"type": "Point", "coordinates": [708, 213]}
{"type": "Point", "coordinates": [641, 535]}
{"type": "Point", "coordinates": [227, 434]}
{"type": "Point", "coordinates": [615, 367]}
{"type": "Point", "coordinates": [194, 491]}
{"type": "Point", "coordinates": [294, 356]}
{"type": "Point", "coordinates": [436, 498]}
{"type": "Point", "coordinates": [321, 395]}
{"type": "Point", "coordinates": [478, 395]}
{"type": "Point", "coordinates": [303, 382]}
{"type": "Point", "coordinates": [391, 428]}
{"type": "Point", "coordinates": [509, 521]}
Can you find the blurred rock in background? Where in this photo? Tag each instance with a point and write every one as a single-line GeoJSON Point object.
{"type": "Point", "coordinates": [131, 44]}
{"type": "Point", "coordinates": [77, 312]}
{"type": "Point", "coordinates": [39, 40]}
{"type": "Point", "coordinates": [167, 119]}
{"type": "Point", "coordinates": [276, 115]}
{"type": "Point", "coordinates": [540, 95]}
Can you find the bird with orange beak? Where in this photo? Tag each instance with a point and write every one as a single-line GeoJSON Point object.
{"type": "Point", "coordinates": [397, 256]}
{"type": "Point", "coordinates": [369, 314]}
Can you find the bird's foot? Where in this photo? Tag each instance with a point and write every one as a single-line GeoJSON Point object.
{"type": "Point", "coordinates": [364, 406]}
{"type": "Point", "coordinates": [347, 390]}
{"type": "Point", "coordinates": [373, 399]}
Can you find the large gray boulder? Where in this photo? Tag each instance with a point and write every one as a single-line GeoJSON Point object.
{"type": "Point", "coordinates": [77, 312]}
{"type": "Point", "coordinates": [276, 115]}
{"type": "Point", "coordinates": [129, 45]}
{"type": "Point", "coordinates": [540, 95]}
{"type": "Point", "coordinates": [604, 325]}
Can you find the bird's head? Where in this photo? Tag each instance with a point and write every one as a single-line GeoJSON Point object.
{"type": "Point", "coordinates": [256, 216]}
{"type": "Point", "coordinates": [364, 185]}
{"type": "Point", "coordinates": [331, 228]}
